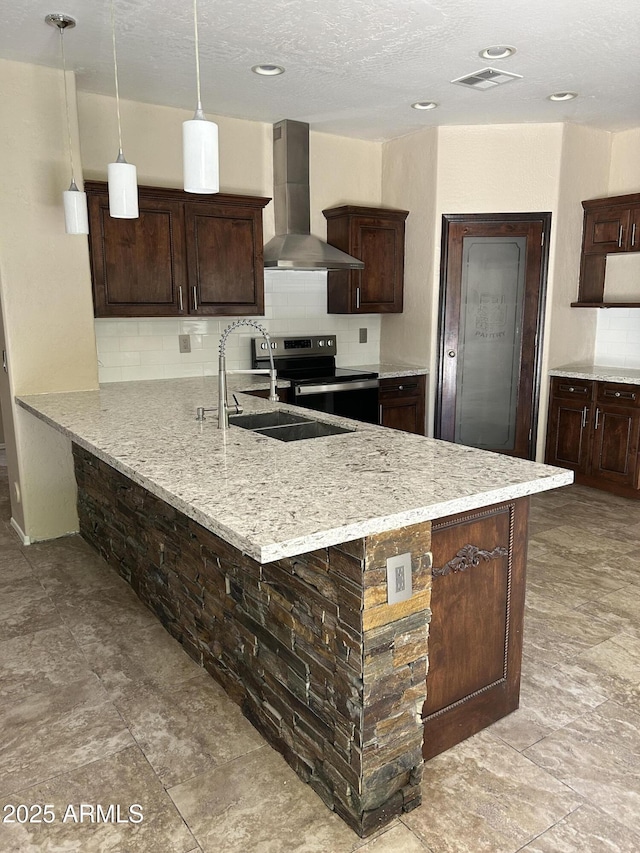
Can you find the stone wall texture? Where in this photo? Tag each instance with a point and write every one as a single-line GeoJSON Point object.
{"type": "Point", "coordinates": [329, 673]}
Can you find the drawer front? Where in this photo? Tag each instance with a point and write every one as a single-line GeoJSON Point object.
{"type": "Point", "coordinates": [401, 386]}
{"type": "Point", "coordinates": [578, 389]}
{"type": "Point", "coordinates": [618, 393]}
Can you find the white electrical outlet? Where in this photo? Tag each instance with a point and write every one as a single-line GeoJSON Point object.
{"type": "Point", "coordinates": [184, 343]}
{"type": "Point", "coordinates": [399, 578]}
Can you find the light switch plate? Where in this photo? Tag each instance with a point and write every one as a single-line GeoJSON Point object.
{"type": "Point", "coordinates": [399, 587]}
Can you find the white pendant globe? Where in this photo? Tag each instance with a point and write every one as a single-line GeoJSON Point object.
{"type": "Point", "coordinates": [76, 220]}
{"type": "Point", "coordinates": [122, 179]}
{"type": "Point", "coordinates": [200, 155]}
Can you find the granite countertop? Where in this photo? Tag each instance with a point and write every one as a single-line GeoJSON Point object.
{"type": "Point", "coordinates": [599, 372]}
{"type": "Point", "coordinates": [387, 370]}
{"type": "Point", "coordinates": [273, 499]}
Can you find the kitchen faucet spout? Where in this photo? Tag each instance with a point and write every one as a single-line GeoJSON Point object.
{"type": "Point", "coordinates": [223, 406]}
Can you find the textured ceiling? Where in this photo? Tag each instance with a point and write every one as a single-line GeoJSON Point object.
{"type": "Point", "coordinates": [353, 67]}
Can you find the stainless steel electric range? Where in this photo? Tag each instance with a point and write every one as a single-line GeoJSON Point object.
{"type": "Point", "coordinates": [309, 363]}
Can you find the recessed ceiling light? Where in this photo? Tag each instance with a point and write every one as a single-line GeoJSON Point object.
{"type": "Point", "coordinates": [424, 105]}
{"type": "Point", "coordinates": [498, 51]}
{"type": "Point", "coordinates": [563, 96]}
{"type": "Point", "coordinates": [268, 70]}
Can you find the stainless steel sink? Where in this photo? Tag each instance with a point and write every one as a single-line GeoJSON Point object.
{"type": "Point", "coordinates": [260, 420]}
{"type": "Point", "coordinates": [285, 426]}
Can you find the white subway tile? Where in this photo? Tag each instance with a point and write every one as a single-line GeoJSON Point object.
{"type": "Point", "coordinates": [175, 371]}
{"type": "Point", "coordinates": [149, 371]}
{"type": "Point", "coordinates": [109, 374]}
{"type": "Point", "coordinates": [119, 359]}
{"type": "Point", "coordinates": [156, 326]}
{"type": "Point", "coordinates": [111, 344]}
{"type": "Point", "coordinates": [140, 343]}
{"type": "Point", "coordinates": [199, 326]}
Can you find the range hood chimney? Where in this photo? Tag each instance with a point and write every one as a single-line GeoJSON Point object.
{"type": "Point", "coordinates": [294, 247]}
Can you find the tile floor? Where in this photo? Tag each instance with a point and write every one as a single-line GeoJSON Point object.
{"type": "Point", "coordinates": [98, 705]}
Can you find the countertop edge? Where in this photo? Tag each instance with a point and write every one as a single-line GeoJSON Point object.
{"type": "Point", "coordinates": [598, 373]}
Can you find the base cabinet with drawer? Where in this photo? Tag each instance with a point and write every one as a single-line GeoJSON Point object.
{"type": "Point", "coordinates": [594, 429]}
{"type": "Point", "coordinates": [402, 403]}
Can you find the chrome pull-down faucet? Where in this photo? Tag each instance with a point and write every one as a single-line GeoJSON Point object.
{"type": "Point", "coordinates": [223, 406]}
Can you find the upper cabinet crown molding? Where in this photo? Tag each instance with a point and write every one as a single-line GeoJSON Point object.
{"type": "Point", "coordinates": [374, 235]}
{"type": "Point", "coordinates": [186, 254]}
{"type": "Point", "coordinates": [611, 226]}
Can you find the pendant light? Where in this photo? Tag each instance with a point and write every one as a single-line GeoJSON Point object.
{"type": "Point", "coordinates": [75, 202]}
{"type": "Point", "coordinates": [121, 176]}
{"type": "Point", "coordinates": [200, 140]}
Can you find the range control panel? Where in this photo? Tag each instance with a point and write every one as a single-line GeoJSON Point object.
{"type": "Point", "coordinates": [296, 346]}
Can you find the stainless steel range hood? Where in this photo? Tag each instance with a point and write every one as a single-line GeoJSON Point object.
{"type": "Point", "coordinates": [293, 247]}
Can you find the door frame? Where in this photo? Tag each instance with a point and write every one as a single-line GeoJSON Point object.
{"type": "Point", "coordinates": [544, 217]}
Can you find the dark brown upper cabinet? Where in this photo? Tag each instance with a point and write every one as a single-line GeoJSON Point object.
{"type": "Point", "coordinates": [375, 236]}
{"type": "Point", "coordinates": [184, 255]}
{"type": "Point", "coordinates": [611, 226]}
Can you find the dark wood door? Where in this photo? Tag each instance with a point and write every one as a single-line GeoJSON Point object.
{"type": "Point", "coordinates": [493, 278]}
{"type": "Point", "coordinates": [137, 265]}
{"type": "Point", "coordinates": [224, 257]}
{"type": "Point", "coordinates": [475, 634]}
{"type": "Point", "coordinates": [402, 403]}
{"type": "Point", "coordinates": [615, 444]}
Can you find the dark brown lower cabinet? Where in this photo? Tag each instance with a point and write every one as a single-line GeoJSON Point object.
{"type": "Point", "coordinates": [402, 403]}
{"type": "Point", "coordinates": [594, 429]}
{"type": "Point", "coordinates": [475, 636]}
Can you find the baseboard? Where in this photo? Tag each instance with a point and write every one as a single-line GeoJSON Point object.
{"type": "Point", "coordinates": [26, 540]}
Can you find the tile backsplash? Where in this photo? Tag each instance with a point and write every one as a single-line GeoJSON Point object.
{"type": "Point", "coordinates": [295, 302]}
{"type": "Point", "coordinates": [618, 337]}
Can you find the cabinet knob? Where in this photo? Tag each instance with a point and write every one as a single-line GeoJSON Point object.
{"type": "Point", "coordinates": [451, 353]}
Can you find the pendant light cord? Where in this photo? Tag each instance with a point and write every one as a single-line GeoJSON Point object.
{"type": "Point", "coordinates": [115, 74]}
{"type": "Point", "coordinates": [195, 31]}
{"type": "Point", "coordinates": [66, 103]}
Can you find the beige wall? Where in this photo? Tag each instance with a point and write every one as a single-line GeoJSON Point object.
{"type": "Point", "coordinates": [341, 170]}
{"type": "Point", "coordinates": [624, 176]}
{"type": "Point", "coordinates": [44, 291]}
{"type": "Point", "coordinates": [409, 180]}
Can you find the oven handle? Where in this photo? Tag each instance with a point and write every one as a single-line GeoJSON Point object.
{"type": "Point", "coordinates": [327, 388]}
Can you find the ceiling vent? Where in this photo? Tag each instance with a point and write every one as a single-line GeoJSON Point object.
{"type": "Point", "coordinates": [488, 78]}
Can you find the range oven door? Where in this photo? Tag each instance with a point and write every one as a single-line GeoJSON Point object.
{"type": "Point", "coordinates": [357, 399]}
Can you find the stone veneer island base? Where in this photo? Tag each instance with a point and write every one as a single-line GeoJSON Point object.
{"type": "Point", "coordinates": [330, 674]}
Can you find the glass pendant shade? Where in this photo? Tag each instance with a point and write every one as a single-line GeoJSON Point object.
{"type": "Point", "coordinates": [122, 179]}
{"type": "Point", "coordinates": [200, 155]}
{"type": "Point", "coordinates": [76, 220]}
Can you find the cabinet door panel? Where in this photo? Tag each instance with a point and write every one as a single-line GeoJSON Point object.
{"type": "Point", "coordinates": [615, 450]}
{"type": "Point", "coordinates": [475, 635]}
{"type": "Point", "coordinates": [568, 435]}
{"type": "Point", "coordinates": [606, 229]}
{"type": "Point", "coordinates": [377, 246]}
{"type": "Point", "coordinates": [137, 264]}
{"type": "Point", "coordinates": [221, 250]}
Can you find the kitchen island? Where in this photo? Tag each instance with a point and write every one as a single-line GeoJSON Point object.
{"type": "Point", "coordinates": [267, 561]}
